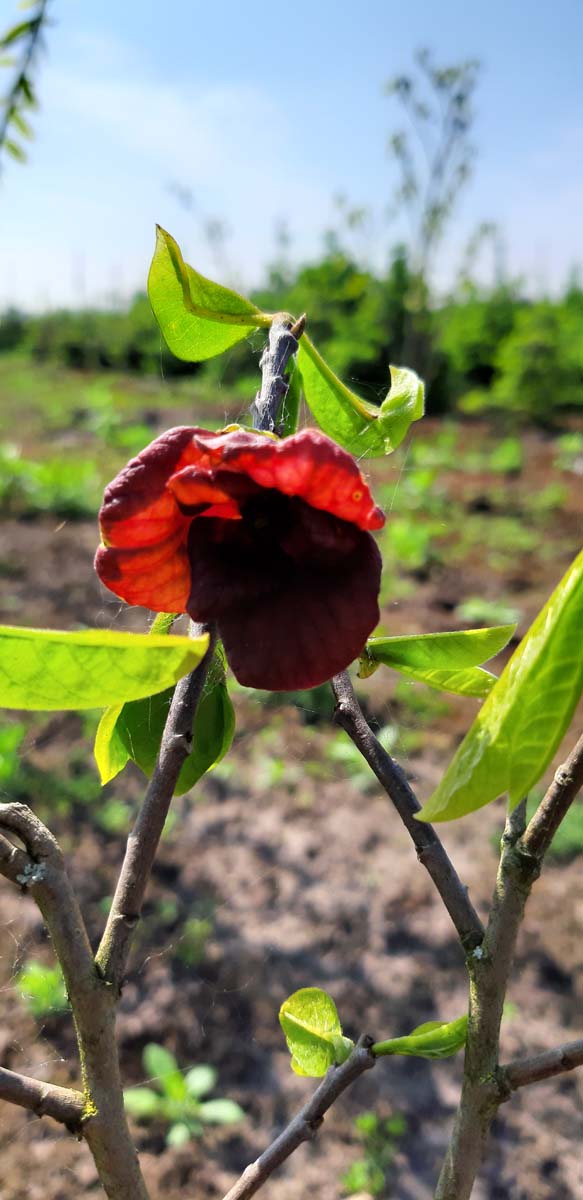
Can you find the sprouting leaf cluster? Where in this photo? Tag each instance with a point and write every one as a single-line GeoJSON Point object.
{"type": "Point", "coordinates": [176, 1098]}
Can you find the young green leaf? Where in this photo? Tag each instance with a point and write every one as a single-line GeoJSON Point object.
{"type": "Point", "coordinates": [200, 1080]}
{"type": "Point", "coordinates": [446, 661]}
{"type": "Point", "coordinates": [198, 318]}
{"type": "Point", "coordinates": [220, 1112]}
{"type": "Point", "coordinates": [313, 1032]}
{"type": "Point", "coordinates": [47, 670]}
{"type": "Point", "coordinates": [434, 1039]}
{"type": "Point", "coordinates": [366, 430]}
{"type": "Point", "coordinates": [181, 1133]}
{"type": "Point", "coordinates": [142, 1102]}
{"type": "Point", "coordinates": [134, 731]}
{"type": "Point", "coordinates": [163, 1069]}
{"type": "Point", "coordinates": [523, 720]}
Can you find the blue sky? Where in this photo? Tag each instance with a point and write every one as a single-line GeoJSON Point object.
{"type": "Point", "coordinates": [265, 113]}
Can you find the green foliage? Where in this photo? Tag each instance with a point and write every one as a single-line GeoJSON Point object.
{"type": "Point", "coordinates": [21, 99]}
{"type": "Point", "coordinates": [198, 318]}
{"type": "Point", "coordinates": [569, 452]}
{"type": "Point", "coordinates": [51, 670]}
{"type": "Point", "coordinates": [364, 429]}
{"type": "Point", "coordinates": [177, 1101]}
{"type": "Point", "coordinates": [445, 661]}
{"type": "Point", "coordinates": [523, 720]}
{"type": "Point", "coordinates": [42, 988]}
{"type": "Point", "coordinates": [490, 612]}
{"type": "Point", "coordinates": [133, 731]}
{"type": "Point", "coordinates": [11, 738]}
{"type": "Point", "coordinates": [313, 1032]}
{"type": "Point", "coordinates": [69, 487]}
{"type": "Point", "coordinates": [434, 1039]}
{"type": "Point", "coordinates": [379, 1137]}
{"type": "Point", "coordinates": [538, 361]}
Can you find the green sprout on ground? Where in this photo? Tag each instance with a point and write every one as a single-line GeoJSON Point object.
{"type": "Point", "coordinates": [176, 1100]}
{"type": "Point", "coordinates": [379, 1137]}
{"type": "Point", "coordinates": [42, 988]}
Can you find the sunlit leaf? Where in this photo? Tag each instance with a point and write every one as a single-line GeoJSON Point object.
{"type": "Point", "coordinates": [366, 430]}
{"type": "Point", "coordinates": [200, 1080]}
{"type": "Point", "coordinates": [181, 1133]}
{"type": "Point", "coordinates": [133, 731]}
{"type": "Point", "coordinates": [445, 661]}
{"type": "Point", "coordinates": [163, 1069]}
{"type": "Point", "coordinates": [141, 1102]}
{"type": "Point", "coordinates": [49, 669]}
{"type": "Point", "coordinates": [434, 1039]}
{"type": "Point", "coordinates": [198, 318]}
{"type": "Point", "coordinates": [313, 1032]}
{"type": "Point", "coordinates": [523, 720]}
{"type": "Point", "coordinates": [220, 1112]}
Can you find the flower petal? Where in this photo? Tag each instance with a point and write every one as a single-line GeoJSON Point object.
{"type": "Point", "coordinates": [308, 465]}
{"type": "Point", "coordinates": [269, 646]}
{"type": "Point", "coordinates": [157, 577]}
{"type": "Point", "coordinates": [138, 509]}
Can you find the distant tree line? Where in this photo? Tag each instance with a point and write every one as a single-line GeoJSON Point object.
{"type": "Point", "coordinates": [481, 348]}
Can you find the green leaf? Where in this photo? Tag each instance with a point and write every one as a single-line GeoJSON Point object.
{"type": "Point", "coordinates": [23, 29]}
{"type": "Point", "coordinates": [364, 429]}
{"type": "Point", "coordinates": [15, 150]}
{"type": "Point", "coordinates": [313, 1033]}
{"type": "Point", "coordinates": [163, 1069]}
{"type": "Point", "coordinates": [522, 722]}
{"type": "Point", "coordinates": [21, 124]}
{"type": "Point", "coordinates": [134, 731]}
{"type": "Point", "coordinates": [142, 1102]}
{"type": "Point", "coordinates": [434, 1039]}
{"type": "Point", "coordinates": [200, 1080]}
{"type": "Point", "coordinates": [48, 669]}
{"type": "Point", "coordinates": [198, 318]}
{"type": "Point", "coordinates": [220, 1112]}
{"type": "Point", "coordinates": [180, 1133]}
{"type": "Point", "coordinates": [446, 661]}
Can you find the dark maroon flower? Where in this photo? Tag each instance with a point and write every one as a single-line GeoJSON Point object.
{"type": "Point", "coordinates": [266, 537]}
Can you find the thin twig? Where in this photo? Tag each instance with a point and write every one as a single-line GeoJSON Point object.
{"type": "Point", "coordinates": [553, 808]}
{"type": "Point", "coordinates": [43, 1099]}
{"type": "Point", "coordinates": [430, 851]}
{"type": "Point", "coordinates": [283, 343]}
{"type": "Point", "coordinates": [304, 1126]}
{"type": "Point", "coordinates": [521, 1072]}
{"type": "Point", "coordinates": [143, 841]}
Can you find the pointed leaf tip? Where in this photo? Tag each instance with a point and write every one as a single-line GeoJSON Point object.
{"type": "Point", "coordinates": [198, 318]}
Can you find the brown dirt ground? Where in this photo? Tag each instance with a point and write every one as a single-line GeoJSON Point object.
{"type": "Point", "coordinates": [310, 880]}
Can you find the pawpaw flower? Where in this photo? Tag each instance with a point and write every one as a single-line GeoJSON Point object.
{"type": "Point", "coordinates": [266, 537]}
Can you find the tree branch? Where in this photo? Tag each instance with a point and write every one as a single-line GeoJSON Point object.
{"type": "Point", "coordinates": [521, 1072]}
{"type": "Point", "coordinates": [142, 844]}
{"type": "Point", "coordinates": [428, 846]}
{"type": "Point", "coordinates": [43, 1099]}
{"type": "Point", "coordinates": [305, 1125]}
{"type": "Point", "coordinates": [104, 1126]}
{"type": "Point", "coordinates": [283, 343]}
{"type": "Point", "coordinates": [554, 806]}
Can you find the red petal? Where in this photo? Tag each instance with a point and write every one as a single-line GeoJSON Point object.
{"type": "Point", "coordinates": [157, 577]}
{"type": "Point", "coordinates": [138, 509]}
{"type": "Point", "coordinates": [305, 634]}
{"type": "Point", "coordinates": [308, 465]}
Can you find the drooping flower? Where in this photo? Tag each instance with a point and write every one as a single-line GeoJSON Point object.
{"type": "Point", "coordinates": [268, 538]}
